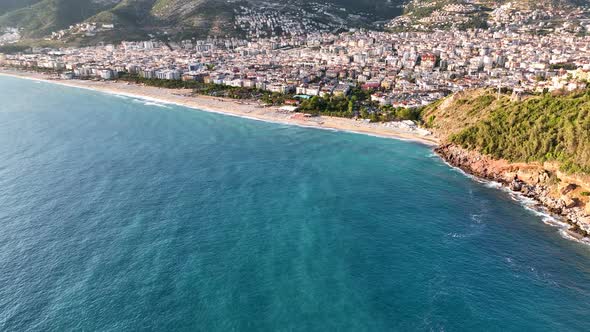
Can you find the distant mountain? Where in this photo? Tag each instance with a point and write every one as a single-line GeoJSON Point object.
{"type": "Point", "coordinates": [425, 15]}
{"type": "Point", "coordinates": [43, 17]}
{"type": "Point", "coordinates": [178, 19]}
{"type": "Point", "coordinates": [10, 5]}
{"type": "Point", "coordinates": [201, 17]}
{"type": "Point", "coordinates": [39, 18]}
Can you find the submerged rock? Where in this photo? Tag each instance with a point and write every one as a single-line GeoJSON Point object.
{"type": "Point", "coordinates": [515, 185]}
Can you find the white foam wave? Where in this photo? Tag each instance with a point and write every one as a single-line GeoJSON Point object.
{"type": "Point", "coordinates": [476, 218]}
{"type": "Point", "coordinates": [567, 235]}
{"type": "Point", "coordinates": [555, 222]}
{"type": "Point", "coordinates": [528, 204]}
{"type": "Point", "coordinates": [457, 235]}
{"type": "Point", "coordinates": [147, 103]}
{"type": "Point", "coordinates": [537, 209]}
{"type": "Point", "coordinates": [485, 182]}
{"type": "Point", "coordinates": [493, 184]}
{"type": "Point", "coordinates": [549, 219]}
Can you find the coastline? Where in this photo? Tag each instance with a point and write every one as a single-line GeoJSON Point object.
{"type": "Point", "coordinates": [563, 216]}
{"type": "Point", "coordinates": [246, 109]}
{"type": "Point", "coordinates": [541, 189]}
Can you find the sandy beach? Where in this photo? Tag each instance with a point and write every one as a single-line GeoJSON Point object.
{"type": "Point", "coordinates": [247, 109]}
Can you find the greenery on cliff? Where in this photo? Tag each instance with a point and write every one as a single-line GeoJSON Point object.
{"type": "Point", "coordinates": [538, 128]}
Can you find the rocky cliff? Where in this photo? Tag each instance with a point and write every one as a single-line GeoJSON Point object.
{"type": "Point", "coordinates": [562, 194]}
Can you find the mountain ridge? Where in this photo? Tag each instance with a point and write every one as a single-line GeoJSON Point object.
{"type": "Point", "coordinates": [185, 19]}
{"type": "Point", "coordinates": [40, 18]}
{"type": "Point", "coordinates": [428, 15]}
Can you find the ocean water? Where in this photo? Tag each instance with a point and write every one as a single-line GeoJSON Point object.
{"type": "Point", "coordinates": [118, 214]}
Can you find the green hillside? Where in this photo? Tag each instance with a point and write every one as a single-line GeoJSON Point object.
{"type": "Point", "coordinates": [10, 5]}
{"type": "Point", "coordinates": [46, 16]}
{"type": "Point", "coordinates": [538, 128]}
{"type": "Point", "coordinates": [128, 13]}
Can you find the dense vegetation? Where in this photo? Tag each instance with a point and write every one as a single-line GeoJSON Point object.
{"type": "Point", "coordinates": [356, 104]}
{"type": "Point", "coordinates": [209, 89]}
{"type": "Point", "coordinates": [10, 5]}
{"type": "Point", "coordinates": [540, 128]}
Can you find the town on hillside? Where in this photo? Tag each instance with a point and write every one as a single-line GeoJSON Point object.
{"type": "Point", "coordinates": [518, 51]}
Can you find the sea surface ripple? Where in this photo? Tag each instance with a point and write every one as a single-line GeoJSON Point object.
{"type": "Point", "coordinates": [122, 215]}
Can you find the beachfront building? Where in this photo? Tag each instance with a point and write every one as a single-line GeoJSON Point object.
{"type": "Point", "coordinates": [408, 68]}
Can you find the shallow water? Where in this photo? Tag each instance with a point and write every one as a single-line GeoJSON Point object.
{"type": "Point", "coordinates": [124, 215]}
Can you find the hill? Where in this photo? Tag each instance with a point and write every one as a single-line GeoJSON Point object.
{"type": "Point", "coordinates": [43, 17]}
{"type": "Point", "coordinates": [545, 15]}
{"type": "Point", "coordinates": [544, 128]}
{"type": "Point", "coordinates": [182, 18]}
{"type": "Point", "coordinates": [10, 5]}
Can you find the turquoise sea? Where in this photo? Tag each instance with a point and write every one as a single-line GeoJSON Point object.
{"type": "Point", "coordinates": [118, 214]}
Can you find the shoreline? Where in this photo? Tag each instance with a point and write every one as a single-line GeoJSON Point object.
{"type": "Point", "coordinates": [255, 111]}
{"type": "Point", "coordinates": [248, 109]}
{"type": "Point", "coordinates": [529, 203]}
{"type": "Point", "coordinates": [526, 182]}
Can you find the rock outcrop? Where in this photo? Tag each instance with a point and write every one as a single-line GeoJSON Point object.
{"type": "Point", "coordinates": [546, 185]}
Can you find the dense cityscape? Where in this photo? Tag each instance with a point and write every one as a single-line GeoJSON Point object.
{"type": "Point", "coordinates": [401, 69]}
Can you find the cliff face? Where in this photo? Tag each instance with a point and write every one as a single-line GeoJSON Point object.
{"type": "Point", "coordinates": [491, 135]}
{"type": "Point", "coordinates": [563, 195]}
